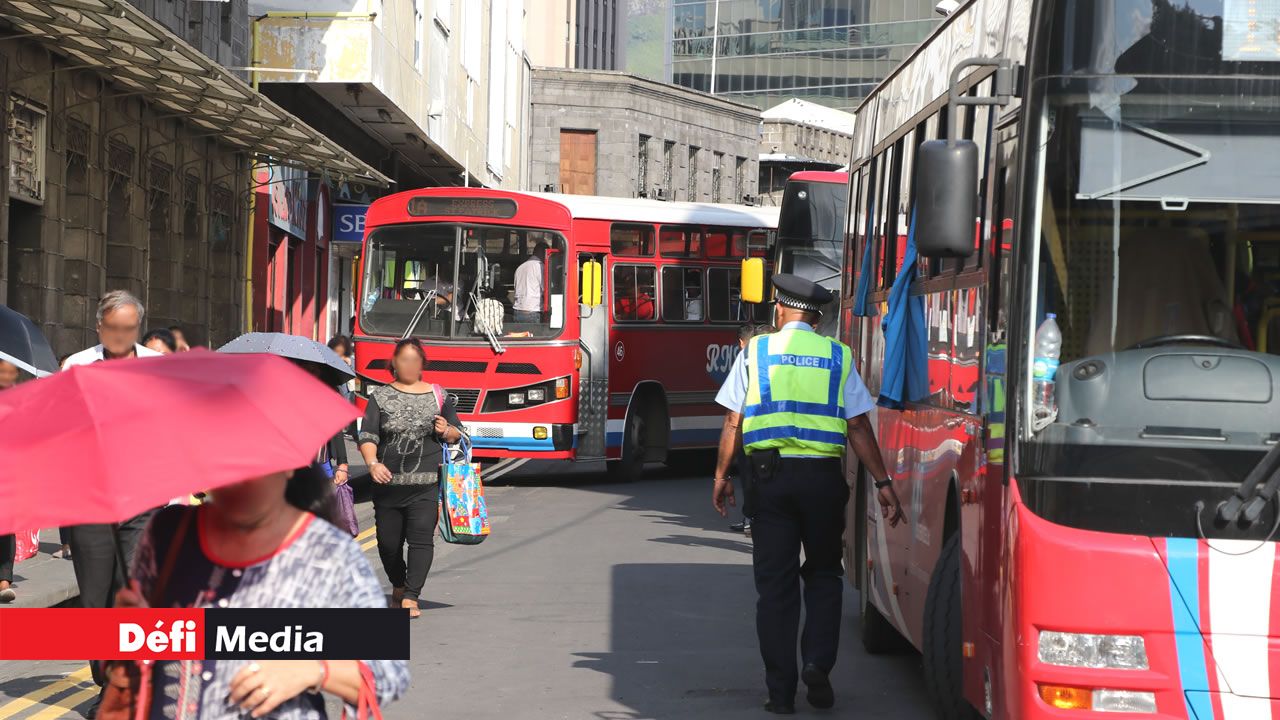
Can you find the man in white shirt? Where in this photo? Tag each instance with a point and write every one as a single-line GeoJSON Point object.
{"type": "Point", "coordinates": [120, 317]}
{"type": "Point", "coordinates": [93, 556]}
{"type": "Point", "coordinates": [528, 301]}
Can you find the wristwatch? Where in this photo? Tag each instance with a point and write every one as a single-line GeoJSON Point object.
{"type": "Point", "coordinates": [886, 482]}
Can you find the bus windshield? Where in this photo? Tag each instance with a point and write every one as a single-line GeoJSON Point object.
{"type": "Point", "coordinates": [453, 269]}
{"type": "Point", "coordinates": [811, 231]}
{"type": "Point", "coordinates": [1159, 254]}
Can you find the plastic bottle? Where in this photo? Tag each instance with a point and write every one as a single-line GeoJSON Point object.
{"type": "Point", "coordinates": [1048, 350]}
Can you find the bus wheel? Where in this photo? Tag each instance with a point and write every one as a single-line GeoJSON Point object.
{"type": "Point", "coordinates": [943, 673]}
{"type": "Point", "coordinates": [634, 447]}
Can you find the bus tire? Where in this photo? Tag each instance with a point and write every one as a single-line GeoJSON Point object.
{"type": "Point", "coordinates": [943, 664]}
{"type": "Point", "coordinates": [635, 449]}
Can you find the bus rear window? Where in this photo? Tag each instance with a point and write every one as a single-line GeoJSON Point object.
{"type": "Point", "coordinates": [631, 240]}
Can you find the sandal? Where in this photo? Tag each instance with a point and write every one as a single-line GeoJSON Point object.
{"type": "Point", "coordinates": [7, 595]}
{"type": "Point", "coordinates": [412, 606]}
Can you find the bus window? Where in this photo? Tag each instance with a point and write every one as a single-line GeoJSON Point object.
{"type": "Point", "coordinates": [724, 303]}
{"type": "Point", "coordinates": [682, 297]}
{"type": "Point", "coordinates": [634, 293]}
{"type": "Point", "coordinates": [680, 242]}
{"type": "Point", "coordinates": [631, 240]}
{"type": "Point", "coordinates": [726, 243]}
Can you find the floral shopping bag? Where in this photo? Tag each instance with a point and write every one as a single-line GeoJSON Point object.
{"type": "Point", "coordinates": [464, 520]}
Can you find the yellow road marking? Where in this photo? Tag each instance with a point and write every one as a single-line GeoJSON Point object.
{"type": "Point", "coordinates": [66, 706]}
{"type": "Point", "coordinates": [369, 544]}
{"type": "Point", "coordinates": [366, 533]}
{"type": "Point", "coordinates": [38, 697]}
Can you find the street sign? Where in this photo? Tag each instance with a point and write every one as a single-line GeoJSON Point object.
{"type": "Point", "coordinates": [348, 222]}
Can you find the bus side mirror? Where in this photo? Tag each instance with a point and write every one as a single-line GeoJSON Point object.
{"type": "Point", "coordinates": [592, 276]}
{"type": "Point", "coordinates": [753, 280]}
{"type": "Point", "coordinates": [946, 198]}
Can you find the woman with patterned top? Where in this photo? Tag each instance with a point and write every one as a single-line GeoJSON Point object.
{"type": "Point", "coordinates": [404, 425]}
{"type": "Point", "coordinates": [263, 543]}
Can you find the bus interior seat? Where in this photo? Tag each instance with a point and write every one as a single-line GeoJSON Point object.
{"type": "Point", "coordinates": [1162, 291]}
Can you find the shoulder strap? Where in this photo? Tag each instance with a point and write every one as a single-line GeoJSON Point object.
{"type": "Point", "coordinates": [171, 557]}
{"type": "Point", "coordinates": [442, 397]}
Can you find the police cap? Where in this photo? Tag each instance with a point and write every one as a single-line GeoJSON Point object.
{"type": "Point", "coordinates": [795, 292]}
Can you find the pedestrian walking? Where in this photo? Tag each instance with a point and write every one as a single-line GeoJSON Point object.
{"type": "Point", "coordinates": [93, 547]}
{"type": "Point", "coordinates": [160, 340]}
{"type": "Point", "coordinates": [268, 542]}
{"type": "Point", "coordinates": [179, 338]}
{"type": "Point", "coordinates": [8, 543]}
{"type": "Point", "coordinates": [794, 440]}
{"type": "Point", "coordinates": [342, 345]}
{"type": "Point", "coordinates": [400, 438]}
{"type": "Point", "coordinates": [741, 468]}
{"type": "Point", "coordinates": [529, 286]}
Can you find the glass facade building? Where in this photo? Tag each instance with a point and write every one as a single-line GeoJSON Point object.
{"type": "Point", "coordinates": [762, 52]}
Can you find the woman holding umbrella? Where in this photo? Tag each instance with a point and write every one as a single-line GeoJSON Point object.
{"type": "Point", "coordinates": [260, 543]}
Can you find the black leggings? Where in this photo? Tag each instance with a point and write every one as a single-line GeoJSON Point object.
{"type": "Point", "coordinates": [406, 514]}
{"type": "Point", "coordinates": [8, 548]}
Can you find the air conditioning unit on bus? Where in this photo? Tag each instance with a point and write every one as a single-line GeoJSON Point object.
{"type": "Point", "coordinates": [549, 187]}
{"type": "Point", "coordinates": [659, 193]}
{"type": "Point", "coordinates": [748, 199]}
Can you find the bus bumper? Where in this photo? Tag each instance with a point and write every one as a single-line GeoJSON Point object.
{"type": "Point", "coordinates": [1206, 619]}
{"type": "Point", "coordinates": [519, 439]}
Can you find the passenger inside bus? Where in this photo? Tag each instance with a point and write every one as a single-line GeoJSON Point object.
{"type": "Point", "coordinates": [633, 293]}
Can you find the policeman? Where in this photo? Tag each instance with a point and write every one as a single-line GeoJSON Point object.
{"type": "Point", "coordinates": [798, 396]}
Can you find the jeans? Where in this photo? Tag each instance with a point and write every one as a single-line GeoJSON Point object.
{"type": "Point", "coordinates": [528, 316]}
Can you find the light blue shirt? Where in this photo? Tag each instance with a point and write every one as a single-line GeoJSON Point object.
{"type": "Point", "coordinates": [733, 394]}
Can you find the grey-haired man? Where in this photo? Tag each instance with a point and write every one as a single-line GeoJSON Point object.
{"type": "Point", "coordinates": [93, 555]}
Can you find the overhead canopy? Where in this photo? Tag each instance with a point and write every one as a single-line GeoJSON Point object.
{"type": "Point", "coordinates": [142, 56]}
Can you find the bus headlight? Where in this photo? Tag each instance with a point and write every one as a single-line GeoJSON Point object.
{"type": "Point", "coordinates": [515, 398]}
{"type": "Point", "coordinates": [1109, 652]}
{"type": "Point", "coordinates": [1098, 699]}
{"type": "Point", "coordinates": [537, 395]}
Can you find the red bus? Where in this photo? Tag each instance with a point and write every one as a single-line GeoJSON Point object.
{"type": "Point", "coordinates": [1074, 548]}
{"type": "Point", "coordinates": [811, 233]}
{"type": "Point", "coordinates": [635, 332]}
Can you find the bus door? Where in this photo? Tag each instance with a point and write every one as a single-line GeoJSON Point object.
{"type": "Point", "coordinates": [593, 344]}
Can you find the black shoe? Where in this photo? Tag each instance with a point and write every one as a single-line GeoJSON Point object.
{"type": "Point", "coordinates": [820, 694]}
{"type": "Point", "coordinates": [91, 712]}
{"type": "Point", "coordinates": [779, 708]}
{"type": "Point", "coordinates": [740, 526]}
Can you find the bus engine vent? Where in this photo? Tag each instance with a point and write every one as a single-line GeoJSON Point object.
{"type": "Point", "coordinates": [519, 368]}
{"type": "Point", "coordinates": [467, 399]}
{"type": "Point", "coordinates": [456, 366]}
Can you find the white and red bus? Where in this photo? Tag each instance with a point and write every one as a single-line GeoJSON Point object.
{"type": "Point", "coordinates": [637, 327]}
{"type": "Point", "coordinates": [1077, 550]}
{"type": "Point", "coordinates": [812, 225]}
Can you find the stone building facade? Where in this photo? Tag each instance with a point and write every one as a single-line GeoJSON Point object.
{"type": "Point", "coordinates": [130, 163]}
{"type": "Point", "coordinates": [608, 133]}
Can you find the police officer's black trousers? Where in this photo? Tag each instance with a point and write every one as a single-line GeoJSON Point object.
{"type": "Point", "coordinates": [802, 504]}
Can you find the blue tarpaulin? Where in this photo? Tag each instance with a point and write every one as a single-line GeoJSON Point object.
{"type": "Point", "coordinates": [906, 339]}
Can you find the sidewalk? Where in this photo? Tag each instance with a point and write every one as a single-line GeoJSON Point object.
{"type": "Point", "coordinates": [45, 581]}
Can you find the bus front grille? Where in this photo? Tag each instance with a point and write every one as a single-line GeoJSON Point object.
{"type": "Point", "coordinates": [467, 399]}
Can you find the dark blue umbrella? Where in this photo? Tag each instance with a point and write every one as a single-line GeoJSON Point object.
{"type": "Point", "coordinates": [333, 370]}
{"type": "Point", "coordinates": [906, 340]}
{"type": "Point", "coordinates": [22, 344]}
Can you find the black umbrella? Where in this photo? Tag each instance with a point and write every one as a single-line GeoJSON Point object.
{"type": "Point", "coordinates": [304, 351]}
{"type": "Point", "coordinates": [22, 344]}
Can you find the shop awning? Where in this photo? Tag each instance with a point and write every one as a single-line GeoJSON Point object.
{"type": "Point", "coordinates": [142, 57]}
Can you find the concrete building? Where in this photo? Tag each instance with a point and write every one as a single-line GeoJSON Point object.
{"type": "Point", "coordinates": [431, 92]}
{"type": "Point", "coordinates": [831, 52]}
{"type": "Point", "coordinates": [582, 34]}
{"type": "Point", "coordinates": [800, 135]}
{"type": "Point", "coordinates": [130, 153]}
{"type": "Point", "coordinates": [605, 133]}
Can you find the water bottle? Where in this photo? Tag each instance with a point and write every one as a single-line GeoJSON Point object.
{"type": "Point", "coordinates": [1047, 353]}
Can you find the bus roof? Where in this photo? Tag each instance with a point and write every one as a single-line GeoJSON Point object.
{"type": "Point", "coordinates": [821, 176]}
{"type": "Point", "coordinates": [594, 207]}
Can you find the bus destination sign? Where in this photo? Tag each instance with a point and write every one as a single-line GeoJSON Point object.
{"type": "Point", "coordinates": [501, 208]}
